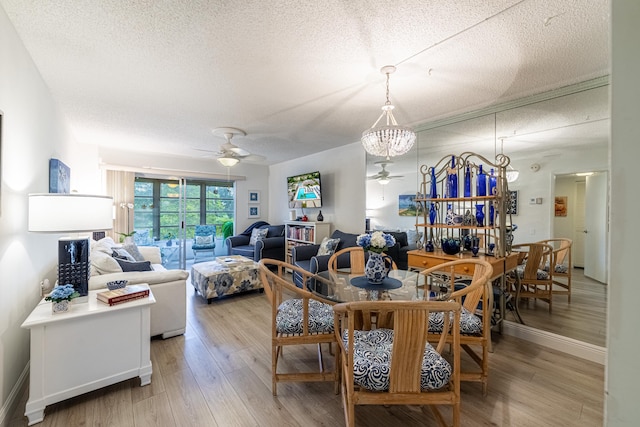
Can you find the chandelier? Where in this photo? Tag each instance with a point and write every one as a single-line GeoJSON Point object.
{"type": "Point", "coordinates": [388, 140]}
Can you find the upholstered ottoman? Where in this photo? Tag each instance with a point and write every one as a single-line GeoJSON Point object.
{"type": "Point", "coordinates": [225, 275]}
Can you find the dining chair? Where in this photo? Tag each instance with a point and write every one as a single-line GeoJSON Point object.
{"type": "Point", "coordinates": [531, 280]}
{"type": "Point", "coordinates": [298, 318]}
{"type": "Point", "coordinates": [468, 282]}
{"type": "Point", "coordinates": [398, 365]}
{"type": "Point", "coordinates": [562, 265]}
{"type": "Point", "coordinates": [350, 260]}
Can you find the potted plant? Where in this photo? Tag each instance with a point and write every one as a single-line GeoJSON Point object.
{"type": "Point", "coordinates": [61, 298]}
{"type": "Point", "coordinates": [125, 237]}
{"type": "Point", "coordinates": [169, 236]}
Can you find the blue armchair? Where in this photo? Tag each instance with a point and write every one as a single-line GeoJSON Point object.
{"type": "Point", "coordinates": [204, 239]}
{"type": "Point", "coordinates": [305, 256]}
{"type": "Point", "coordinates": [271, 246]}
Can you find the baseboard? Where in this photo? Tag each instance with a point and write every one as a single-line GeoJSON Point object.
{"type": "Point", "coordinates": [14, 397]}
{"type": "Point", "coordinates": [567, 345]}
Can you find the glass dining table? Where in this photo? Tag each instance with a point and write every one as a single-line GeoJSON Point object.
{"type": "Point", "coordinates": [400, 285]}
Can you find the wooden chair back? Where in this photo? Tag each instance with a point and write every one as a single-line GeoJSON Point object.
{"type": "Point", "coordinates": [278, 287]}
{"type": "Point", "coordinates": [561, 256]}
{"type": "Point", "coordinates": [529, 284]}
{"type": "Point", "coordinates": [410, 333]}
{"type": "Point", "coordinates": [478, 270]}
{"type": "Point", "coordinates": [478, 292]}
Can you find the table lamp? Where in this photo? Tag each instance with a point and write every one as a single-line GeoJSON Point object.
{"type": "Point", "coordinates": [71, 213]}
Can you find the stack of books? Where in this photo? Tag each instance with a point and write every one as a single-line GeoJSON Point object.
{"type": "Point", "coordinates": [128, 293]}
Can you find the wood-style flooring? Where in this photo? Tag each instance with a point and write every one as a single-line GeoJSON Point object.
{"type": "Point", "coordinates": [219, 374]}
{"type": "Point", "coordinates": [584, 319]}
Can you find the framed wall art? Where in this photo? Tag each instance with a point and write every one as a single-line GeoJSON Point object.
{"type": "Point", "coordinates": [512, 202]}
{"type": "Point", "coordinates": [59, 177]}
{"type": "Point", "coordinates": [561, 205]}
{"type": "Point", "coordinates": [254, 211]}
{"type": "Point", "coordinates": [254, 196]}
{"type": "Point", "coordinates": [407, 205]}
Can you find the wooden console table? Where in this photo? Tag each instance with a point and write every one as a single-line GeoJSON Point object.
{"type": "Point", "coordinates": [90, 347]}
{"type": "Point", "coordinates": [420, 259]}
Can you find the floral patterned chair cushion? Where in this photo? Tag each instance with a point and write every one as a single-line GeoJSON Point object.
{"type": "Point", "coordinates": [470, 324]}
{"type": "Point", "coordinates": [289, 317]}
{"type": "Point", "coordinates": [372, 361]}
{"type": "Point", "coordinates": [540, 275]}
{"type": "Point", "coordinates": [559, 268]}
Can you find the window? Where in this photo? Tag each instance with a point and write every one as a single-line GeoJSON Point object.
{"type": "Point", "coordinates": [157, 206]}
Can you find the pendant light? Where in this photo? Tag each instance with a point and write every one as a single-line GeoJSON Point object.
{"type": "Point", "coordinates": [389, 139]}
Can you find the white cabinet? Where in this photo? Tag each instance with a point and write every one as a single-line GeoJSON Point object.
{"type": "Point", "coordinates": [305, 233]}
{"type": "Point", "coordinates": [91, 346]}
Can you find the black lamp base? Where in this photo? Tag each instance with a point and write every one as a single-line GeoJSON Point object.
{"type": "Point", "coordinates": [73, 264]}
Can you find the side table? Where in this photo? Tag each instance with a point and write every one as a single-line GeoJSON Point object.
{"type": "Point", "coordinates": [92, 346]}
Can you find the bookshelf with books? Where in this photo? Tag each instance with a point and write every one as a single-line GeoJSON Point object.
{"type": "Point", "coordinates": [305, 233]}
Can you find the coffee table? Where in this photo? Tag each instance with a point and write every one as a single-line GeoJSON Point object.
{"type": "Point", "coordinates": [226, 275]}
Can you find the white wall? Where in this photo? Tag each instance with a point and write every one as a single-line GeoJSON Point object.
{"type": "Point", "coordinates": [622, 372]}
{"type": "Point", "coordinates": [343, 187]}
{"type": "Point", "coordinates": [33, 131]}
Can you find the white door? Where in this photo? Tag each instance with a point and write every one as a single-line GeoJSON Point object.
{"type": "Point", "coordinates": [579, 236]}
{"type": "Point", "coordinates": [596, 227]}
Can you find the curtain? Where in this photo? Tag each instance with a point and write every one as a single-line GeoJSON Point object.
{"type": "Point", "coordinates": [120, 186]}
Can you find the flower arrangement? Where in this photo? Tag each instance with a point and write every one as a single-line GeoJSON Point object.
{"type": "Point", "coordinates": [62, 293]}
{"type": "Point", "coordinates": [377, 242]}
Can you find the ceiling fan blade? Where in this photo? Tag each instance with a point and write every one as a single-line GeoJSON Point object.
{"type": "Point", "coordinates": [239, 151]}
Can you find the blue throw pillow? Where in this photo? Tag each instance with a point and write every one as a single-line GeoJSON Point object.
{"type": "Point", "coordinates": [127, 266]}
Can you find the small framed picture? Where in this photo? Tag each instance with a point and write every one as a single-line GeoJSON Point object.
{"type": "Point", "coordinates": [254, 211]}
{"type": "Point", "coordinates": [512, 202]}
{"type": "Point", "coordinates": [254, 196]}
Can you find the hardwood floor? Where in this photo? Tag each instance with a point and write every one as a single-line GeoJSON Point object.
{"type": "Point", "coordinates": [219, 374]}
{"type": "Point", "coordinates": [584, 319]}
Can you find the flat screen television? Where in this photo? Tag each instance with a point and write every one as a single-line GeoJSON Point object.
{"type": "Point", "coordinates": [304, 190]}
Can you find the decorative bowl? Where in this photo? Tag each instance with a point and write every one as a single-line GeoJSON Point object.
{"type": "Point", "coordinates": [450, 246]}
{"type": "Point", "coordinates": [117, 284]}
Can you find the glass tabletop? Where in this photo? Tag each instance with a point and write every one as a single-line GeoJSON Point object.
{"type": "Point", "coordinates": [404, 285]}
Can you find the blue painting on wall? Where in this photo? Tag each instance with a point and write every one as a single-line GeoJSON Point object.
{"type": "Point", "coordinates": [59, 177]}
{"type": "Point", "coordinates": [407, 205]}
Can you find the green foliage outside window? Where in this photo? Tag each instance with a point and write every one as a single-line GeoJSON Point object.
{"type": "Point", "coordinates": [157, 206]}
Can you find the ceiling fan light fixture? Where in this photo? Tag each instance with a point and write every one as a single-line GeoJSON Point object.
{"type": "Point", "coordinates": [390, 139]}
{"type": "Point", "coordinates": [383, 181]}
{"type": "Point", "coordinates": [228, 161]}
{"type": "Point", "coordinates": [512, 174]}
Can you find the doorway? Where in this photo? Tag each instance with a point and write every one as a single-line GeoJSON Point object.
{"type": "Point", "coordinates": [585, 225]}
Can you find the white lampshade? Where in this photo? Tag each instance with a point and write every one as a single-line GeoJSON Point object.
{"type": "Point", "coordinates": [60, 213]}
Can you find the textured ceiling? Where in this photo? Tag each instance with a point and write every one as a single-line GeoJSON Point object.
{"type": "Point", "coordinates": [298, 76]}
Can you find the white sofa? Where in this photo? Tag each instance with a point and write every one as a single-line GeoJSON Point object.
{"type": "Point", "coordinates": [169, 313]}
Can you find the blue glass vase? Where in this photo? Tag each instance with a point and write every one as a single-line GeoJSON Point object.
{"type": "Point", "coordinates": [452, 179]}
{"type": "Point", "coordinates": [434, 188]}
{"type": "Point", "coordinates": [467, 182]}
{"type": "Point", "coordinates": [492, 183]}
{"type": "Point", "coordinates": [428, 247]}
{"type": "Point", "coordinates": [480, 215]}
{"type": "Point", "coordinates": [432, 213]}
{"type": "Point", "coordinates": [481, 187]}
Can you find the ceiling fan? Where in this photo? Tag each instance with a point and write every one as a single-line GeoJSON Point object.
{"type": "Point", "coordinates": [384, 176]}
{"type": "Point", "coordinates": [230, 154]}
